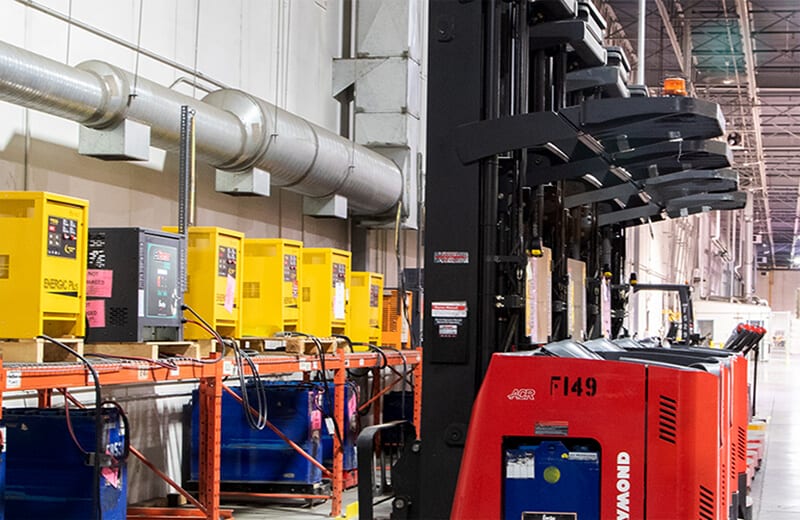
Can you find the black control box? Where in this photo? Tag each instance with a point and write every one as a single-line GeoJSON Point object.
{"type": "Point", "coordinates": [133, 286]}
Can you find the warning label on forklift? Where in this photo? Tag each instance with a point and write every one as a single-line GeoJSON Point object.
{"type": "Point", "coordinates": [552, 429]}
{"type": "Point", "coordinates": [448, 327]}
{"type": "Point", "coordinates": [449, 309]}
{"type": "Point", "coordinates": [447, 330]}
{"type": "Point", "coordinates": [450, 257]}
{"type": "Point", "coordinates": [527, 515]}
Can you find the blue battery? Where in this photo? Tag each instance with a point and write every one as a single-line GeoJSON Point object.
{"type": "Point", "coordinates": [47, 475]}
{"type": "Point", "coordinates": [349, 430]}
{"type": "Point", "coordinates": [549, 480]}
{"type": "Point", "coordinates": [261, 456]}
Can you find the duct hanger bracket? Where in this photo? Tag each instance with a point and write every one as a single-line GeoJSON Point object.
{"type": "Point", "coordinates": [334, 206]}
{"type": "Point", "coordinates": [250, 182]}
{"type": "Point", "coordinates": [128, 141]}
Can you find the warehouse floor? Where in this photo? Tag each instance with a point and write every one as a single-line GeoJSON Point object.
{"type": "Point", "coordinates": [293, 511]}
{"type": "Point", "coordinates": [775, 489]}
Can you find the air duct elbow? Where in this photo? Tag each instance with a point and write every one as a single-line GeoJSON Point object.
{"type": "Point", "coordinates": [308, 159]}
{"type": "Point", "coordinates": [234, 131]}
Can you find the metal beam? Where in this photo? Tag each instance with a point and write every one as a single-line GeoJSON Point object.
{"type": "Point", "coordinates": [641, 48]}
{"type": "Point", "coordinates": [670, 30]}
{"type": "Point", "coordinates": [743, 12]}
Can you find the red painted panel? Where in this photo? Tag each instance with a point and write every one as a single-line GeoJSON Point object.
{"type": "Point", "coordinates": [600, 400]}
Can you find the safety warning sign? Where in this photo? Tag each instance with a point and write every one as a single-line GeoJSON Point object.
{"type": "Point", "coordinates": [449, 309]}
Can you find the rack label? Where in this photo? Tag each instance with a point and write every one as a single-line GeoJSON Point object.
{"type": "Point", "coordinates": [13, 379]}
{"type": "Point", "coordinates": [227, 368]}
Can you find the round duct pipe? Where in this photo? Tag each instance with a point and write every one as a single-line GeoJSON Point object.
{"type": "Point", "coordinates": [234, 131]}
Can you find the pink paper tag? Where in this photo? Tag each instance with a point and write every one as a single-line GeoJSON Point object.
{"type": "Point", "coordinates": [99, 283]}
{"type": "Point", "coordinates": [230, 293]}
{"type": "Point", "coordinates": [352, 405]}
{"type": "Point", "coordinates": [96, 313]}
{"type": "Point", "coordinates": [111, 476]}
{"type": "Point", "coordinates": [316, 420]}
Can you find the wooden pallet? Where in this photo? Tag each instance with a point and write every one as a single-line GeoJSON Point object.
{"type": "Point", "coordinates": [307, 346]}
{"type": "Point", "coordinates": [264, 345]}
{"type": "Point", "coordinates": [293, 345]}
{"type": "Point", "coordinates": [37, 350]}
{"type": "Point", "coordinates": [207, 346]}
{"type": "Point", "coordinates": [149, 350]}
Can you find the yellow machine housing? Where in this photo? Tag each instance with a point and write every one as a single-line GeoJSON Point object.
{"type": "Point", "coordinates": [326, 291]}
{"type": "Point", "coordinates": [366, 308]}
{"type": "Point", "coordinates": [213, 280]}
{"type": "Point", "coordinates": [42, 264]}
{"type": "Point", "coordinates": [396, 332]}
{"type": "Point", "coordinates": [271, 292]}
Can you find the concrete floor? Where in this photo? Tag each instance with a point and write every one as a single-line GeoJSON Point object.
{"type": "Point", "coordinates": [776, 488]}
{"type": "Point", "coordinates": [291, 510]}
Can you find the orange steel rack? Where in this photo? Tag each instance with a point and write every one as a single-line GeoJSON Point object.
{"type": "Point", "coordinates": [48, 377]}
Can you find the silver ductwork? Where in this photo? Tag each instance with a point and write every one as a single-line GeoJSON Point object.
{"type": "Point", "coordinates": [234, 131]}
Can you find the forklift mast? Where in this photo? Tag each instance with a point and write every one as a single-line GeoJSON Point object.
{"type": "Point", "coordinates": [487, 111]}
{"type": "Point", "coordinates": [535, 141]}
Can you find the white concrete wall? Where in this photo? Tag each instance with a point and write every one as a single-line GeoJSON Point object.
{"type": "Point", "coordinates": [280, 50]}
{"type": "Point", "coordinates": [663, 252]}
{"type": "Point", "coordinates": [696, 250]}
{"type": "Point", "coordinates": [779, 288]}
{"type": "Point", "coordinates": [727, 315]}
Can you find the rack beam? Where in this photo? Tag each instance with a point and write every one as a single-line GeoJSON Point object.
{"type": "Point", "coordinates": [209, 374]}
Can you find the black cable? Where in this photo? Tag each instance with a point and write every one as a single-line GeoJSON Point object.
{"type": "Point", "coordinates": [403, 387]}
{"type": "Point", "coordinates": [98, 421]}
{"type": "Point", "coordinates": [211, 330]}
{"type": "Point", "coordinates": [322, 375]}
{"type": "Point", "coordinates": [260, 421]}
{"type": "Point", "coordinates": [346, 339]}
{"type": "Point", "coordinates": [378, 351]}
{"type": "Point", "coordinates": [126, 443]}
{"type": "Point", "coordinates": [354, 372]}
{"type": "Point", "coordinates": [383, 362]}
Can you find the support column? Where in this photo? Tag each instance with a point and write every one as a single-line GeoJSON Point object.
{"type": "Point", "coordinates": [339, 382]}
{"type": "Point", "coordinates": [748, 260]}
{"type": "Point", "coordinates": [45, 397]}
{"type": "Point", "coordinates": [641, 48]}
{"type": "Point", "coordinates": [210, 439]}
{"type": "Point", "coordinates": [418, 396]}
